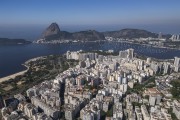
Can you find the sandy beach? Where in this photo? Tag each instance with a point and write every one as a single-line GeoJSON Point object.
{"type": "Point", "coordinates": [22, 72]}
{"type": "Point", "coordinates": [12, 76]}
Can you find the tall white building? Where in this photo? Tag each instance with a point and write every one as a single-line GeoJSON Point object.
{"type": "Point", "coordinates": [90, 112]}
{"type": "Point", "coordinates": [30, 110]}
{"type": "Point", "coordinates": [152, 100]}
{"type": "Point", "coordinates": [138, 113]}
{"type": "Point", "coordinates": [176, 64]}
{"type": "Point", "coordinates": [160, 35]}
{"type": "Point", "coordinates": [166, 68]}
{"type": "Point", "coordinates": [48, 110]}
{"type": "Point", "coordinates": [117, 111]}
{"type": "Point", "coordinates": [155, 67]}
{"type": "Point", "coordinates": [123, 54]}
{"type": "Point", "coordinates": [129, 53]}
{"type": "Point", "coordinates": [72, 55]}
{"type": "Point", "coordinates": [148, 61]}
{"type": "Point", "coordinates": [145, 113]}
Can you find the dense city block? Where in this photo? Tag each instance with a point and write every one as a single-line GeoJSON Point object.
{"type": "Point", "coordinates": [99, 87]}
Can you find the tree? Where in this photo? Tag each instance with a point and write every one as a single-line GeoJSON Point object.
{"type": "Point", "coordinates": [175, 90]}
{"type": "Point", "coordinates": [109, 113]}
{"type": "Point", "coordinates": [173, 116]}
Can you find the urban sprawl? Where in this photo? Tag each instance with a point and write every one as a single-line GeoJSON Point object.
{"type": "Point", "coordinates": [101, 87]}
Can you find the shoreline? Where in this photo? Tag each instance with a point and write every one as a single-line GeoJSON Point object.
{"type": "Point", "coordinates": [12, 76]}
{"type": "Point", "coordinates": [148, 45]}
{"type": "Point", "coordinates": [111, 41]}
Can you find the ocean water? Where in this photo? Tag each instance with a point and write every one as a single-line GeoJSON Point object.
{"type": "Point", "coordinates": [12, 56]}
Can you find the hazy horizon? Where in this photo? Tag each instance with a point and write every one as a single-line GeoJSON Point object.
{"type": "Point", "coordinates": [28, 19]}
{"type": "Point", "coordinates": [35, 31]}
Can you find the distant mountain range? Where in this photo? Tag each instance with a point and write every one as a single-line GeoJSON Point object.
{"type": "Point", "coordinates": [4, 41]}
{"type": "Point", "coordinates": [53, 33]}
{"type": "Point", "coordinates": [133, 33]}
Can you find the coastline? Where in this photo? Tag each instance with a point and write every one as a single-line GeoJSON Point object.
{"type": "Point", "coordinates": [109, 41]}
{"type": "Point", "coordinates": [148, 45]}
{"type": "Point", "coordinates": [12, 76]}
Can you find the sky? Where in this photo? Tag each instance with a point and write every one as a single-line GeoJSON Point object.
{"type": "Point", "coordinates": [30, 16]}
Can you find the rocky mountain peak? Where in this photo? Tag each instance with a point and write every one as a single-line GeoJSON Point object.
{"type": "Point", "coordinates": [53, 29]}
